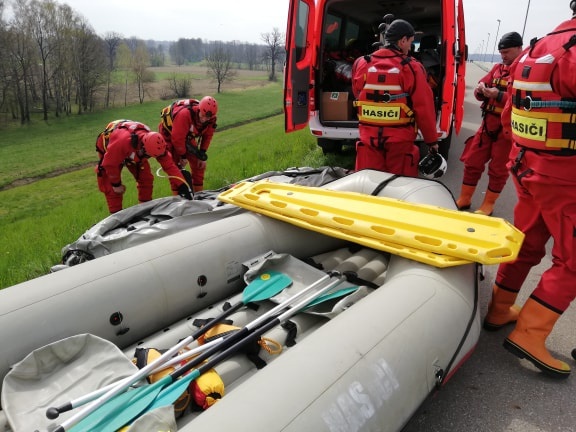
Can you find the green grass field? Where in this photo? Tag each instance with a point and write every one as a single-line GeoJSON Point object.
{"type": "Point", "coordinates": [39, 218]}
{"type": "Point", "coordinates": [64, 143]}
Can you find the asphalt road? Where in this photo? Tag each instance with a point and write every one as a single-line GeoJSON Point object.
{"type": "Point", "coordinates": [495, 391]}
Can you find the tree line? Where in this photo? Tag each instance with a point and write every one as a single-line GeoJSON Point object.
{"type": "Point", "coordinates": [51, 60]}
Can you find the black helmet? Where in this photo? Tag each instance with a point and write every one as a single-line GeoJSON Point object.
{"type": "Point", "coordinates": [510, 40]}
{"type": "Point", "coordinates": [398, 29]}
{"type": "Point", "coordinates": [573, 7]}
{"type": "Point", "coordinates": [433, 166]}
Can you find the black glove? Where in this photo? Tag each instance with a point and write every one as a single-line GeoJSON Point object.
{"type": "Point", "coordinates": [184, 191]}
{"type": "Point", "coordinates": [433, 147]}
{"type": "Point", "coordinates": [201, 154]}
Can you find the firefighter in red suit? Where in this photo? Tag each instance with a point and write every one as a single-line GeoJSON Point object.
{"type": "Point", "coordinates": [129, 144]}
{"type": "Point", "coordinates": [489, 145]}
{"type": "Point", "coordinates": [188, 127]}
{"type": "Point", "coordinates": [541, 117]}
{"type": "Point", "coordinates": [394, 100]}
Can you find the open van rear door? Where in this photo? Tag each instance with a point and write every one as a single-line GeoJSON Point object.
{"type": "Point", "coordinates": [462, 56]}
{"type": "Point", "coordinates": [449, 48]}
{"type": "Point", "coordinates": [299, 57]}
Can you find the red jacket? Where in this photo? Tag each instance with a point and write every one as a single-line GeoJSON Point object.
{"type": "Point", "coordinates": [563, 77]}
{"type": "Point", "coordinates": [498, 77]}
{"type": "Point", "coordinates": [413, 81]}
{"type": "Point", "coordinates": [186, 121]}
{"type": "Point", "coordinates": [120, 151]}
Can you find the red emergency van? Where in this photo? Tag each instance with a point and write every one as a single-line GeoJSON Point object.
{"type": "Point", "coordinates": [323, 39]}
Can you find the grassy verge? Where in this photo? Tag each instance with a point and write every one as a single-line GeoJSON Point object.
{"type": "Point", "coordinates": [38, 219]}
{"type": "Point", "coordinates": [68, 142]}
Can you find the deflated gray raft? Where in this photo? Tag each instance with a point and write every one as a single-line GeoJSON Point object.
{"type": "Point", "coordinates": [164, 216]}
{"type": "Point", "coordinates": [364, 366]}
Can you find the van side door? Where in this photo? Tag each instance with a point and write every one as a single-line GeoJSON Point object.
{"type": "Point", "coordinates": [462, 57]}
{"type": "Point", "coordinates": [448, 47]}
{"type": "Point", "coordinates": [300, 36]}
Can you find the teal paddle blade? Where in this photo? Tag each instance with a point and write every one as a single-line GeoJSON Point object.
{"type": "Point", "coordinates": [171, 393]}
{"type": "Point", "coordinates": [336, 294]}
{"type": "Point", "coordinates": [121, 409]}
{"type": "Point", "coordinates": [265, 286]}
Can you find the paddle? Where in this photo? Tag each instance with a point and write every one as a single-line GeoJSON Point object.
{"type": "Point", "coordinates": [166, 391]}
{"type": "Point", "coordinates": [53, 412]}
{"type": "Point", "coordinates": [143, 396]}
{"type": "Point", "coordinates": [265, 286]}
{"type": "Point", "coordinates": [333, 295]}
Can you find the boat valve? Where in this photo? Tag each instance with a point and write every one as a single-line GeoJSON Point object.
{"type": "Point", "coordinates": [439, 378]}
{"type": "Point", "coordinates": [201, 281]}
{"type": "Point", "coordinates": [116, 319]}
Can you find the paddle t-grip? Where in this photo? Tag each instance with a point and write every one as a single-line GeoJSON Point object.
{"type": "Point", "coordinates": [53, 412]}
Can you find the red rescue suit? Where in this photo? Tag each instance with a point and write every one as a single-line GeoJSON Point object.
{"type": "Point", "coordinates": [544, 173]}
{"type": "Point", "coordinates": [394, 100]}
{"type": "Point", "coordinates": [186, 135]}
{"type": "Point", "coordinates": [489, 144]}
{"type": "Point", "coordinates": [125, 149]}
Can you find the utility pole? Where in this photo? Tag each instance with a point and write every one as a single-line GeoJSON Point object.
{"type": "Point", "coordinates": [525, 19]}
{"type": "Point", "coordinates": [487, 43]}
{"type": "Point", "coordinates": [495, 40]}
{"type": "Point", "coordinates": [481, 50]}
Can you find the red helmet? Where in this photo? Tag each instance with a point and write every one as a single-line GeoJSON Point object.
{"type": "Point", "coordinates": [208, 106]}
{"type": "Point", "coordinates": [154, 144]}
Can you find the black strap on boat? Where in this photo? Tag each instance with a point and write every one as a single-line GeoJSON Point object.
{"type": "Point", "coordinates": [252, 351]}
{"type": "Point", "coordinates": [252, 306]}
{"type": "Point", "coordinates": [292, 330]}
{"type": "Point", "coordinates": [442, 374]}
{"type": "Point", "coordinates": [352, 277]}
{"type": "Point", "coordinates": [201, 322]}
{"type": "Point", "coordinates": [310, 261]}
{"type": "Point", "coordinates": [383, 184]}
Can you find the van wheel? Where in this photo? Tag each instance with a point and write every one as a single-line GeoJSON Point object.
{"type": "Point", "coordinates": [330, 146]}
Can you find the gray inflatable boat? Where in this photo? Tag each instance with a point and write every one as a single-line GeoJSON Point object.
{"type": "Point", "coordinates": [349, 338]}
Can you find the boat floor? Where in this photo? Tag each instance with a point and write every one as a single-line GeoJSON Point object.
{"type": "Point", "coordinates": [358, 263]}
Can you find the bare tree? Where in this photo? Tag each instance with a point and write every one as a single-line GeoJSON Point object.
{"type": "Point", "coordinates": [63, 76]}
{"type": "Point", "coordinates": [181, 87]}
{"type": "Point", "coordinates": [274, 50]}
{"type": "Point", "coordinates": [219, 62]}
{"type": "Point", "coordinates": [112, 41]}
{"type": "Point", "coordinates": [90, 62]}
{"type": "Point", "coordinates": [5, 76]}
{"type": "Point", "coordinates": [41, 20]}
{"type": "Point", "coordinates": [251, 53]}
{"type": "Point", "coordinates": [124, 57]}
{"type": "Point", "coordinates": [21, 61]}
{"type": "Point", "coordinates": [139, 65]}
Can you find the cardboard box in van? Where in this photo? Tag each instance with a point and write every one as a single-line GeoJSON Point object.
{"type": "Point", "coordinates": [336, 106]}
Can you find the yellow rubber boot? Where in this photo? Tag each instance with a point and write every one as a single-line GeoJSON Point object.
{"type": "Point", "coordinates": [464, 201]}
{"type": "Point", "coordinates": [487, 206]}
{"type": "Point", "coordinates": [528, 340]}
{"type": "Point", "coordinates": [501, 310]}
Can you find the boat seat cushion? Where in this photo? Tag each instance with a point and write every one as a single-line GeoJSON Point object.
{"type": "Point", "coordinates": [58, 373]}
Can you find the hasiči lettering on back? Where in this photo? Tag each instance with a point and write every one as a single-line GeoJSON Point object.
{"type": "Point", "coordinates": [380, 112]}
{"type": "Point", "coordinates": [529, 127]}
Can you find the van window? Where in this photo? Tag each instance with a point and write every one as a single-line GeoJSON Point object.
{"type": "Point", "coordinates": [301, 29]}
{"type": "Point", "coordinates": [352, 32]}
{"type": "Point", "coordinates": [332, 31]}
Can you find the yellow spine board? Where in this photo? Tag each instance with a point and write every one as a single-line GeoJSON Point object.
{"type": "Point", "coordinates": [433, 235]}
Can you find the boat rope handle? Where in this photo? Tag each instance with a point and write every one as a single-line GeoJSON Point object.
{"type": "Point", "coordinates": [271, 346]}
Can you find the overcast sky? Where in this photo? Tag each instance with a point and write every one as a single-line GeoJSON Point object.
{"type": "Point", "coordinates": [247, 20]}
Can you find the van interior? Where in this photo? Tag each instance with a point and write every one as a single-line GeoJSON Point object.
{"type": "Point", "coordinates": [351, 30]}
